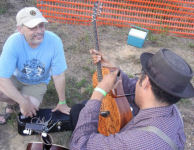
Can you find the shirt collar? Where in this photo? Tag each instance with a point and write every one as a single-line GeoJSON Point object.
{"type": "Point", "coordinates": [152, 113]}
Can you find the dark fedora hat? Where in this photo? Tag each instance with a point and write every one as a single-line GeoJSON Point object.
{"type": "Point", "coordinates": [169, 72]}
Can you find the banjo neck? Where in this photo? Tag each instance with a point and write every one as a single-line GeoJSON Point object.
{"type": "Point", "coordinates": [97, 9]}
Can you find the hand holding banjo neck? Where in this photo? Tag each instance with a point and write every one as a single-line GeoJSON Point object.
{"type": "Point", "coordinates": [115, 111]}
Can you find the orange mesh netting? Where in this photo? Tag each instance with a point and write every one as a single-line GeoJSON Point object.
{"type": "Point", "coordinates": [170, 16]}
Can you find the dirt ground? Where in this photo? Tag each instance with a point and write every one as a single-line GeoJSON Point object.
{"type": "Point", "coordinates": [77, 41]}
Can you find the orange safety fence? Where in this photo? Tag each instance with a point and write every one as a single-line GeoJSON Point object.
{"type": "Point", "coordinates": [170, 16]}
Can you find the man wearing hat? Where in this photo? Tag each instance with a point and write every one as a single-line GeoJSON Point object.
{"type": "Point", "coordinates": [156, 123]}
{"type": "Point", "coordinates": [29, 59]}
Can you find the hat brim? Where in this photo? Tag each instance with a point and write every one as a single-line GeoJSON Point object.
{"type": "Point", "coordinates": [188, 91]}
{"type": "Point", "coordinates": [34, 22]}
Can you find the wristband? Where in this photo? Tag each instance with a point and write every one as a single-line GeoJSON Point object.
{"type": "Point", "coordinates": [100, 90]}
{"type": "Point", "coordinates": [62, 102]}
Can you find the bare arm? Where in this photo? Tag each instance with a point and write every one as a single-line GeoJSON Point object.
{"type": "Point", "coordinates": [7, 87]}
{"type": "Point", "coordinates": [59, 82]}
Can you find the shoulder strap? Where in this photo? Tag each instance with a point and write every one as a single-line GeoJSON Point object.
{"type": "Point", "coordinates": [161, 134]}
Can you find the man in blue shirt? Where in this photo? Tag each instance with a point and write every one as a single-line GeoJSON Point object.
{"type": "Point", "coordinates": [28, 60]}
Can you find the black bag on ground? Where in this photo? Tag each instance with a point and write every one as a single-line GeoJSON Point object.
{"type": "Point", "coordinates": [44, 121]}
{"type": "Point", "coordinates": [74, 114]}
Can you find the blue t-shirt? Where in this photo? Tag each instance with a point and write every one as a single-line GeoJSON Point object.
{"type": "Point", "coordinates": [32, 66]}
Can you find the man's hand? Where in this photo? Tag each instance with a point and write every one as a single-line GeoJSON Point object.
{"type": "Point", "coordinates": [106, 84]}
{"type": "Point", "coordinates": [27, 108]}
{"type": "Point", "coordinates": [108, 81]}
{"type": "Point", "coordinates": [62, 108]}
{"type": "Point", "coordinates": [99, 57]}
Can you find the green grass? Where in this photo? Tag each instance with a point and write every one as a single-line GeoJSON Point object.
{"type": "Point", "coordinates": [185, 102]}
{"type": "Point", "coordinates": [75, 91]}
{"type": "Point", "coordinates": [3, 6]}
{"type": "Point", "coordinates": [61, 138]}
{"type": "Point", "coordinates": [191, 45]}
{"type": "Point", "coordinates": [2, 10]}
{"type": "Point", "coordinates": [84, 43]}
{"type": "Point", "coordinates": [152, 37]}
{"type": "Point", "coordinates": [31, 2]}
{"type": "Point", "coordinates": [131, 76]}
{"type": "Point", "coordinates": [12, 121]}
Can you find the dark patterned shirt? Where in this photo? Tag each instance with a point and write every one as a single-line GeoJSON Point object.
{"type": "Point", "coordinates": [167, 119]}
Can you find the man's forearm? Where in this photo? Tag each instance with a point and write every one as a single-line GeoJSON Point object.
{"type": "Point", "coordinates": [59, 82]}
{"type": "Point", "coordinates": [7, 87]}
{"type": "Point", "coordinates": [86, 125]}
